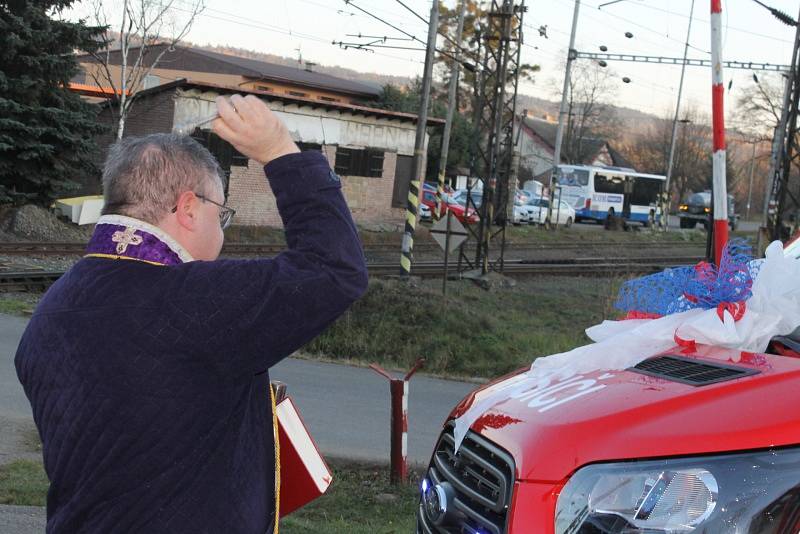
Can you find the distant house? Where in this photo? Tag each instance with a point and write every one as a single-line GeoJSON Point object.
{"type": "Point", "coordinates": [537, 149]}
{"type": "Point", "coordinates": [371, 149]}
{"type": "Point", "coordinates": [232, 71]}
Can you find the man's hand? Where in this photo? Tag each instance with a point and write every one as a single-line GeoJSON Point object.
{"type": "Point", "coordinates": [252, 128]}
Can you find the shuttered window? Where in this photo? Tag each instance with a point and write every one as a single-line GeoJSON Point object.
{"type": "Point", "coordinates": [359, 162]}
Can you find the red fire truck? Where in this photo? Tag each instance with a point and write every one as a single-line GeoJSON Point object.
{"type": "Point", "coordinates": [684, 442]}
{"type": "Point", "coordinates": [698, 439]}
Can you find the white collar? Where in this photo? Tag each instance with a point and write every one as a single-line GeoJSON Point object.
{"type": "Point", "coordinates": [123, 220]}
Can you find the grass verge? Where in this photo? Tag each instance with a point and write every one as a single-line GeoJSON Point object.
{"type": "Point", "coordinates": [474, 333]}
{"type": "Point", "coordinates": [11, 305]}
{"type": "Point", "coordinates": [23, 483]}
{"type": "Point", "coordinates": [359, 501]}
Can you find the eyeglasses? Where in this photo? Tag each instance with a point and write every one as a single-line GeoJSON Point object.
{"type": "Point", "coordinates": [225, 213]}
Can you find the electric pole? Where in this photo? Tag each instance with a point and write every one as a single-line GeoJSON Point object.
{"type": "Point", "coordinates": [668, 197]}
{"type": "Point", "coordinates": [419, 146]}
{"type": "Point", "coordinates": [562, 111]}
{"type": "Point", "coordinates": [451, 106]}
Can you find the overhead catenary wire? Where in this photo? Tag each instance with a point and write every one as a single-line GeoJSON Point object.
{"type": "Point", "coordinates": [466, 65]}
{"type": "Point", "coordinates": [276, 29]}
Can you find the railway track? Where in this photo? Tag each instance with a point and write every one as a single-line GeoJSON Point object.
{"type": "Point", "coordinates": [266, 249]}
{"type": "Point", "coordinates": [33, 280]}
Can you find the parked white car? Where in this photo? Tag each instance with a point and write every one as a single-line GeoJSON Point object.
{"type": "Point", "coordinates": [537, 211]}
{"type": "Point", "coordinates": [425, 212]}
{"type": "Point", "coordinates": [520, 215]}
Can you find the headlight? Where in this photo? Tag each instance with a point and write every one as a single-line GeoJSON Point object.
{"type": "Point", "coordinates": [756, 493]}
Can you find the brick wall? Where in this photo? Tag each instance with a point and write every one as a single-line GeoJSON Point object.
{"type": "Point", "coordinates": [369, 199]}
{"type": "Point", "coordinates": [250, 195]}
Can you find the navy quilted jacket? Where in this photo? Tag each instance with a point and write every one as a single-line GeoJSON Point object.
{"type": "Point", "coordinates": [149, 384]}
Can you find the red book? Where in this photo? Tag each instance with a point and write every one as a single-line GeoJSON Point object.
{"type": "Point", "coordinates": [304, 473]}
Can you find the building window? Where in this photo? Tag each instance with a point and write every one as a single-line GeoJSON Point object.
{"type": "Point", "coordinates": [359, 162]}
{"type": "Point", "coordinates": [403, 171]}
{"type": "Point", "coordinates": [263, 88]}
{"type": "Point", "coordinates": [609, 184]}
{"type": "Point", "coordinates": [225, 154]}
{"type": "Point", "coordinates": [296, 93]}
{"type": "Point", "coordinates": [329, 99]}
{"type": "Point", "coordinates": [309, 146]}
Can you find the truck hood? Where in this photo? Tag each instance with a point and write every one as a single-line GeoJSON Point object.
{"type": "Point", "coordinates": [624, 415]}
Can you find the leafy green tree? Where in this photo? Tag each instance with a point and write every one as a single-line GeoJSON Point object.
{"type": "Point", "coordinates": [407, 100]}
{"type": "Point", "coordinates": [46, 131]}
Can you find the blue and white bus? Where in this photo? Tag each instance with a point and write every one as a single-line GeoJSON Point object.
{"type": "Point", "coordinates": [597, 192]}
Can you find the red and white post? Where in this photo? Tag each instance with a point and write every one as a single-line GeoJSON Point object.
{"type": "Point", "coordinates": [720, 189]}
{"type": "Point", "coordinates": [398, 433]}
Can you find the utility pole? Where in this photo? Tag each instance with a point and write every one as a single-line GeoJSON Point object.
{"type": "Point", "coordinates": [668, 197]}
{"type": "Point", "coordinates": [451, 106]}
{"type": "Point", "coordinates": [571, 55]}
{"type": "Point", "coordinates": [783, 149]}
{"type": "Point", "coordinates": [495, 114]}
{"type": "Point", "coordinates": [419, 145]}
{"type": "Point", "coordinates": [750, 187]}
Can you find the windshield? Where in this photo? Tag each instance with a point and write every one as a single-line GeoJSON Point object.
{"type": "Point", "coordinates": [477, 197]}
{"type": "Point", "coordinates": [700, 199]}
{"type": "Point", "coordinates": [539, 201]}
{"type": "Point", "coordinates": [567, 176]}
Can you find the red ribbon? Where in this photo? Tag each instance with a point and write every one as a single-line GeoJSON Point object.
{"type": "Point", "coordinates": [642, 315]}
{"type": "Point", "coordinates": [688, 345]}
{"type": "Point", "coordinates": [736, 309]}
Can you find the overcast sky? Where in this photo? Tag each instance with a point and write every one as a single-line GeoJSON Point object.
{"type": "Point", "coordinates": [750, 33]}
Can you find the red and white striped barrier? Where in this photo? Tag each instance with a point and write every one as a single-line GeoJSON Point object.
{"type": "Point", "coordinates": [720, 189]}
{"type": "Point", "coordinates": [398, 388]}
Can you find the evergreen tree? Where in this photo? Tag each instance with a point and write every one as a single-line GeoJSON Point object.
{"type": "Point", "coordinates": [46, 131]}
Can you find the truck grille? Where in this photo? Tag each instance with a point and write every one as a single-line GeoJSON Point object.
{"type": "Point", "coordinates": [482, 475]}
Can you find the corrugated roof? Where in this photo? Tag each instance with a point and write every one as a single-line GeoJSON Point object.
{"type": "Point", "coordinates": [301, 101]}
{"type": "Point", "coordinates": [253, 68]}
{"type": "Point", "coordinates": [261, 69]}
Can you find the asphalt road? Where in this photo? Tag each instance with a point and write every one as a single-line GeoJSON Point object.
{"type": "Point", "coordinates": [346, 408]}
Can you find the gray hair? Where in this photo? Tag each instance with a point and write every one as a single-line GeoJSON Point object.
{"type": "Point", "coordinates": [143, 176]}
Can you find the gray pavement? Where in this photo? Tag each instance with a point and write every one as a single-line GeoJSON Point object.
{"type": "Point", "coordinates": [13, 402]}
{"type": "Point", "coordinates": [22, 519]}
{"type": "Point", "coordinates": [346, 408]}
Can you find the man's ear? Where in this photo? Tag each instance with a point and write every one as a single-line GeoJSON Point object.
{"type": "Point", "coordinates": [187, 213]}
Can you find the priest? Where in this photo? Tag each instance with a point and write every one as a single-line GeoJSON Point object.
{"type": "Point", "coordinates": [147, 363]}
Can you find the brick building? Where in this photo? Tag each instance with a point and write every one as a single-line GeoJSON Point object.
{"type": "Point", "coordinates": [371, 149]}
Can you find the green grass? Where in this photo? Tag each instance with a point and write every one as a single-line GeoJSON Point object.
{"type": "Point", "coordinates": [23, 483]}
{"type": "Point", "coordinates": [538, 234]}
{"type": "Point", "coordinates": [359, 501]}
{"type": "Point", "coordinates": [476, 333]}
{"type": "Point", "coordinates": [353, 505]}
{"type": "Point", "coordinates": [14, 306]}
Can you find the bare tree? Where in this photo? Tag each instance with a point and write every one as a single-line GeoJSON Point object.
{"type": "Point", "coordinates": [590, 114]}
{"type": "Point", "coordinates": [759, 107]}
{"type": "Point", "coordinates": [148, 30]}
{"type": "Point", "coordinates": [692, 160]}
